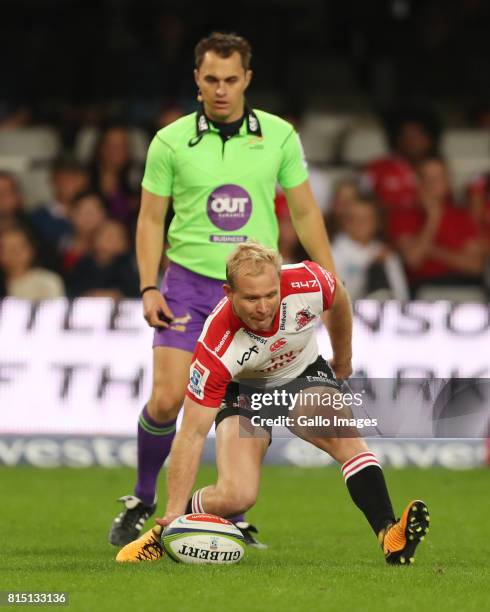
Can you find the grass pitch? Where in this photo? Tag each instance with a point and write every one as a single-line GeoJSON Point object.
{"type": "Point", "coordinates": [322, 554]}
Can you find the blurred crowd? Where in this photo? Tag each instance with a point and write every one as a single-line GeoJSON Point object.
{"type": "Point", "coordinates": [80, 243]}
{"type": "Point", "coordinates": [397, 229]}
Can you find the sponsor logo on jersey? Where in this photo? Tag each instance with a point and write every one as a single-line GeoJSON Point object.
{"type": "Point", "coordinates": [229, 207]}
{"type": "Point", "coordinates": [203, 124]}
{"type": "Point", "coordinates": [219, 346]}
{"type": "Point", "coordinates": [279, 361]}
{"type": "Point", "coordinates": [253, 123]}
{"type": "Point", "coordinates": [275, 346]}
{"type": "Point", "coordinates": [228, 239]}
{"type": "Point", "coordinates": [247, 354]}
{"type": "Point", "coordinates": [303, 317]}
{"type": "Point", "coordinates": [283, 316]}
{"type": "Point", "coordinates": [255, 337]}
{"type": "Point", "coordinates": [304, 284]}
{"type": "Point", "coordinates": [198, 377]}
{"type": "Point", "coordinates": [255, 142]}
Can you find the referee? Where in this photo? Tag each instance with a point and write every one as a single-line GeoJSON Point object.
{"type": "Point", "coordinates": [220, 166]}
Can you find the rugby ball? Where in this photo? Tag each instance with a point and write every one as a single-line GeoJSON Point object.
{"type": "Point", "coordinates": [203, 538]}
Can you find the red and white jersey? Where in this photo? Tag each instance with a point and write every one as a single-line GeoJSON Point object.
{"type": "Point", "coordinates": [227, 350]}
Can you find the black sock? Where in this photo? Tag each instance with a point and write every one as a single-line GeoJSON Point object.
{"type": "Point", "coordinates": [367, 487]}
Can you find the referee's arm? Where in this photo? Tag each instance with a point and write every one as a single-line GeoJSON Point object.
{"type": "Point", "coordinates": [309, 225]}
{"type": "Point", "coordinates": [149, 249]}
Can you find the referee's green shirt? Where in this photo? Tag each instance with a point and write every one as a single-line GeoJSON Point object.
{"type": "Point", "coordinates": [223, 192]}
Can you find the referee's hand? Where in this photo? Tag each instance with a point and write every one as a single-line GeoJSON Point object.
{"type": "Point", "coordinates": [155, 310]}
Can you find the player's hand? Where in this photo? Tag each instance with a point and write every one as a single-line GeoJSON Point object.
{"type": "Point", "coordinates": [342, 370]}
{"type": "Point", "coordinates": [167, 519]}
{"type": "Point", "coordinates": [155, 309]}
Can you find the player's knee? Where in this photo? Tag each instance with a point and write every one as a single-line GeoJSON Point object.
{"type": "Point", "coordinates": [238, 498]}
{"type": "Point", "coordinates": [165, 404]}
{"type": "Point", "coordinates": [341, 449]}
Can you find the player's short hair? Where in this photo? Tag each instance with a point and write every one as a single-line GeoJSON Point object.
{"type": "Point", "coordinates": [224, 45]}
{"type": "Point", "coordinates": [253, 255]}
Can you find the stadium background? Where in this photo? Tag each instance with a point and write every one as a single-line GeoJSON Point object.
{"type": "Point", "coordinates": [74, 374]}
{"type": "Point", "coordinates": [343, 72]}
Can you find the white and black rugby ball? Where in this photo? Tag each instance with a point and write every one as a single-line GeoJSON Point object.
{"type": "Point", "coordinates": [203, 538]}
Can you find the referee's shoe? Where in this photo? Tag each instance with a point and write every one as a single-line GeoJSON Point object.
{"type": "Point", "coordinates": [402, 538]}
{"type": "Point", "coordinates": [128, 524]}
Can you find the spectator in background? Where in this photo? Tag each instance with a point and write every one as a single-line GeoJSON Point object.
{"type": "Point", "coordinates": [439, 242]}
{"type": "Point", "coordinates": [13, 116]}
{"type": "Point", "coordinates": [479, 206]}
{"type": "Point", "coordinates": [88, 213]}
{"type": "Point", "coordinates": [111, 173]}
{"type": "Point", "coordinates": [413, 136]}
{"type": "Point", "coordinates": [11, 205]}
{"type": "Point", "coordinates": [12, 214]}
{"type": "Point", "coordinates": [364, 262]}
{"type": "Point", "coordinates": [110, 270]}
{"type": "Point", "coordinates": [20, 277]}
{"type": "Point", "coordinates": [52, 219]}
{"type": "Point", "coordinates": [166, 115]}
{"type": "Point", "coordinates": [345, 192]}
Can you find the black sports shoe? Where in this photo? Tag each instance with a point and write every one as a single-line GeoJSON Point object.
{"type": "Point", "coordinates": [127, 526]}
{"type": "Point", "coordinates": [247, 529]}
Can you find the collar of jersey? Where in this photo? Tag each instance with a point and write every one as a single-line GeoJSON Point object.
{"type": "Point", "coordinates": [251, 125]}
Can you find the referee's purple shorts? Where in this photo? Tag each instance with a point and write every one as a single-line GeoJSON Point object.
{"type": "Point", "coordinates": [191, 297]}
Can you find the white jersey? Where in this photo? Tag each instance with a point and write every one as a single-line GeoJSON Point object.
{"type": "Point", "coordinates": [227, 350]}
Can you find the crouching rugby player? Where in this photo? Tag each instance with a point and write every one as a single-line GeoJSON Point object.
{"type": "Point", "coordinates": [261, 337]}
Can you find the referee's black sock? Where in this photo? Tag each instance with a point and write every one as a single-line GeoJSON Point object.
{"type": "Point", "coordinates": [367, 487]}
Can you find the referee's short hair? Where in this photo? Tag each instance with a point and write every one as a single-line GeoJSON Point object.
{"type": "Point", "coordinates": [254, 257]}
{"type": "Point", "coordinates": [224, 45]}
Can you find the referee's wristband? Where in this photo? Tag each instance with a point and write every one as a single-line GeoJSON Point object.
{"type": "Point", "coordinates": [149, 288]}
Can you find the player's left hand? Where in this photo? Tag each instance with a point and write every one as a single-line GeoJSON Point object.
{"type": "Point", "coordinates": [167, 519]}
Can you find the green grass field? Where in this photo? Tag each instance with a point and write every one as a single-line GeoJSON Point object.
{"type": "Point", "coordinates": [322, 554]}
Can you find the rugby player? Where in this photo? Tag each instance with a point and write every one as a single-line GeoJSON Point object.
{"type": "Point", "coordinates": [262, 335]}
{"type": "Point", "coordinates": [220, 166]}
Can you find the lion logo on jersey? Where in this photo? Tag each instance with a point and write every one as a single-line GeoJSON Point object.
{"type": "Point", "coordinates": [303, 317]}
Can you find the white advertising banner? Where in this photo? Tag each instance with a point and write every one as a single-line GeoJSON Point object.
{"type": "Point", "coordinates": [85, 367]}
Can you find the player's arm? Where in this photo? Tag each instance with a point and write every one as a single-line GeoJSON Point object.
{"type": "Point", "coordinates": [339, 328]}
{"type": "Point", "coordinates": [309, 225]}
{"type": "Point", "coordinates": [186, 455]}
{"type": "Point", "coordinates": [149, 248]}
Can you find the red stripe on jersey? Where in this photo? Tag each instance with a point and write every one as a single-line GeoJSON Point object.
{"type": "Point", "coordinates": [327, 282]}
